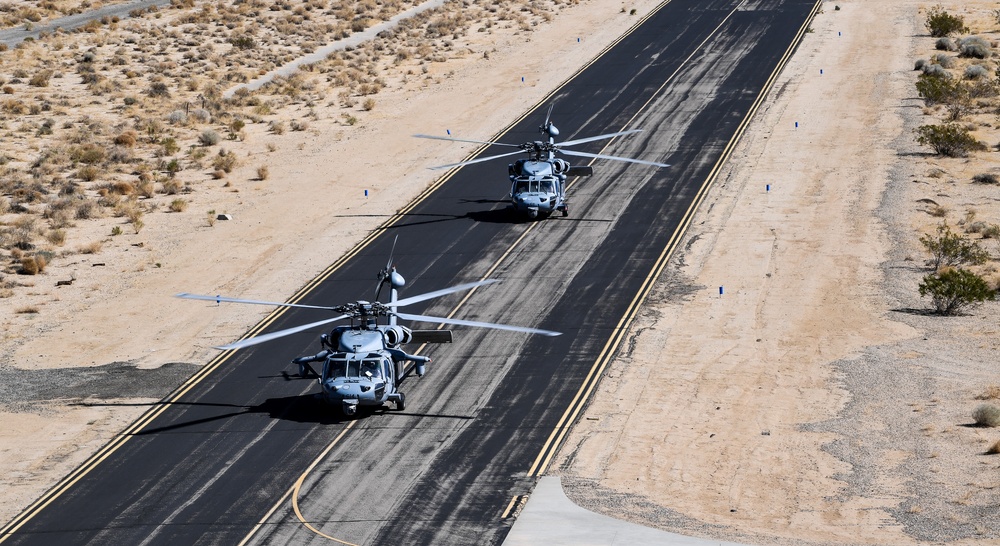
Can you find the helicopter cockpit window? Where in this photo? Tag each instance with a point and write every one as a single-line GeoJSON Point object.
{"type": "Point", "coordinates": [370, 369]}
{"type": "Point", "coordinates": [521, 186]}
{"type": "Point", "coordinates": [546, 186]}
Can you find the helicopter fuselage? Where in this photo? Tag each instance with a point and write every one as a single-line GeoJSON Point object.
{"type": "Point", "coordinates": [362, 367]}
{"type": "Point", "coordinates": [537, 186]}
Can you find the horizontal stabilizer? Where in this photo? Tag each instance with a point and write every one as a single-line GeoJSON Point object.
{"type": "Point", "coordinates": [582, 170]}
{"type": "Point", "coordinates": [431, 336]}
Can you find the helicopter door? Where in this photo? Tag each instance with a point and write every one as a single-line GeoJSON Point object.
{"type": "Point", "coordinates": [387, 372]}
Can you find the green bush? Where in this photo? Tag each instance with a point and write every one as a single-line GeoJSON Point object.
{"type": "Point", "coordinates": [949, 140]}
{"type": "Point", "coordinates": [953, 290]}
{"type": "Point", "coordinates": [949, 249]}
{"type": "Point", "coordinates": [938, 89]}
{"type": "Point", "coordinates": [941, 23]}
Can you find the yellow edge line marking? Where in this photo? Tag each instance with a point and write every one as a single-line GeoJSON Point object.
{"type": "Point", "coordinates": [558, 434]}
{"type": "Point", "coordinates": [510, 506]}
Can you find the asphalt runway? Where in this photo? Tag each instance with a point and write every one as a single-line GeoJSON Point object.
{"type": "Point", "coordinates": [244, 454]}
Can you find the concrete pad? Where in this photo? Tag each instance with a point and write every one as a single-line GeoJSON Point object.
{"type": "Point", "coordinates": [550, 518]}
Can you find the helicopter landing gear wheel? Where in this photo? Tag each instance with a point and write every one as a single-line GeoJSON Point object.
{"type": "Point", "coordinates": [401, 403]}
{"type": "Point", "coordinates": [565, 211]}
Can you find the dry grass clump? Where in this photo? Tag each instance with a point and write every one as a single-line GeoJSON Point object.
{"type": "Point", "coordinates": [994, 448]}
{"type": "Point", "coordinates": [92, 247]}
{"type": "Point", "coordinates": [33, 265]}
{"type": "Point", "coordinates": [178, 205]}
{"type": "Point", "coordinates": [263, 172]}
{"type": "Point", "coordinates": [986, 415]}
{"type": "Point", "coordinates": [992, 392]}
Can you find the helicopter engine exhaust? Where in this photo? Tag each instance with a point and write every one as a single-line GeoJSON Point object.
{"type": "Point", "coordinates": [397, 335]}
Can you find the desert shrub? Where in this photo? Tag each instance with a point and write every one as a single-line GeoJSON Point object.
{"type": "Point", "coordinates": [941, 23]}
{"type": "Point", "coordinates": [56, 237]}
{"type": "Point", "coordinates": [243, 42]}
{"type": "Point", "coordinates": [178, 205]}
{"type": "Point", "coordinates": [87, 209]}
{"type": "Point", "coordinates": [40, 79]}
{"type": "Point", "coordinates": [935, 70]}
{"type": "Point", "coordinates": [94, 247]}
{"type": "Point", "coordinates": [277, 127]}
{"type": "Point", "coordinates": [218, 174]}
{"type": "Point", "coordinates": [32, 265]}
{"type": "Point", "coordinates": [368, 104]}
{"type": "Point", "coordinates": [949, 249]}
{"type": "Point", "coordinates": [177, 117]}
{"type": "Point", "coordinates": [21, 234]}
{"type": "Point", "coordinates": [88, 173]}
{"type": "Point", "coordinates": [127, 139]}
{"type": "Point", "coordinates": [987, 415]}
{"type": "Point", "coordinates": [946, 61]}
{"type": "Point", "coordinates": [992, 392]}
{"type": "Point", "coordinates": [975, 72]}
{"type": "Point", "coordinates": [986, 178]}
{"type": "Point", "coordinates": [973, 47]}
{"type": "Point", "coordinates": [225, 161]}
{"type": "Point", "coordinates": [953, 290]}
{"type": "Point", "coordinates": [263, 172]}
{"type": "Point", "coordinates": [919, 64]}
{"type": "Point", "coordinates": [89, 153]}
{"type": "Point", "coordinates": [172, 167]}
{"type": "Point", "coordinates": [172, 186]}
{"type": "Point", "coordinates": [200, 115]}
{"type": "Point", "coordinates": [209, 137]}
{"type": "Point", "coordinates": [994, 448]}
{"type": "Point", "coordinates": [169, 146]}
{"type": "Point", "coordinates": [299, 125]}
{"type": "Point", "coordinates": [950, 140]}
{"type": "Point", "coordinates": [938, 89]}
{"type": "Point", "coordinates": [158, 90]}
{"type": "Point", "coordinates": [945, 44]}
{"type": "Point", "coordinates": [991, 231]}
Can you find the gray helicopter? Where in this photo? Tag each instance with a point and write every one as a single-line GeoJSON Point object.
{"type": "Point", "coordinates": [538, 183]}
{"type": "Point", "coordinates": [363, 364]}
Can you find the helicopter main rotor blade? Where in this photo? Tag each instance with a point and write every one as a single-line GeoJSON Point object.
{"type": "Point", "coordinates": [443, 292]}
{"type": "Point", "coordinates": [460, 322]}
{"type": "Point", "coordinates": [599, 137]}
{"type": "Point", "coordinates": [614, 158]}
{"type": "Point", "coordinates": [548, 114]}
{"type": "Point", "coordinates": [280, 333]}
{"type": "Point", "coordinates": [470, 162]}
{"type": "Point", "coordinates": [187, 296]}
{"type": "Point", "coordinates": [450, 139]}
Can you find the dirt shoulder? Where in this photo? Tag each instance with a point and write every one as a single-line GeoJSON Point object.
{"type": "Point", "coordinates": [814, 402]}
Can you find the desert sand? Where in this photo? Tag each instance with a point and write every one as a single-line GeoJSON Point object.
{"type": "Point", "coordinates": [804, 405]}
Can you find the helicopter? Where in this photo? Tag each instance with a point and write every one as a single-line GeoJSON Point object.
{"type": "Point", "coordinates": [362, 363]}
{"type": "Point", "coordinates": [538, 182]}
